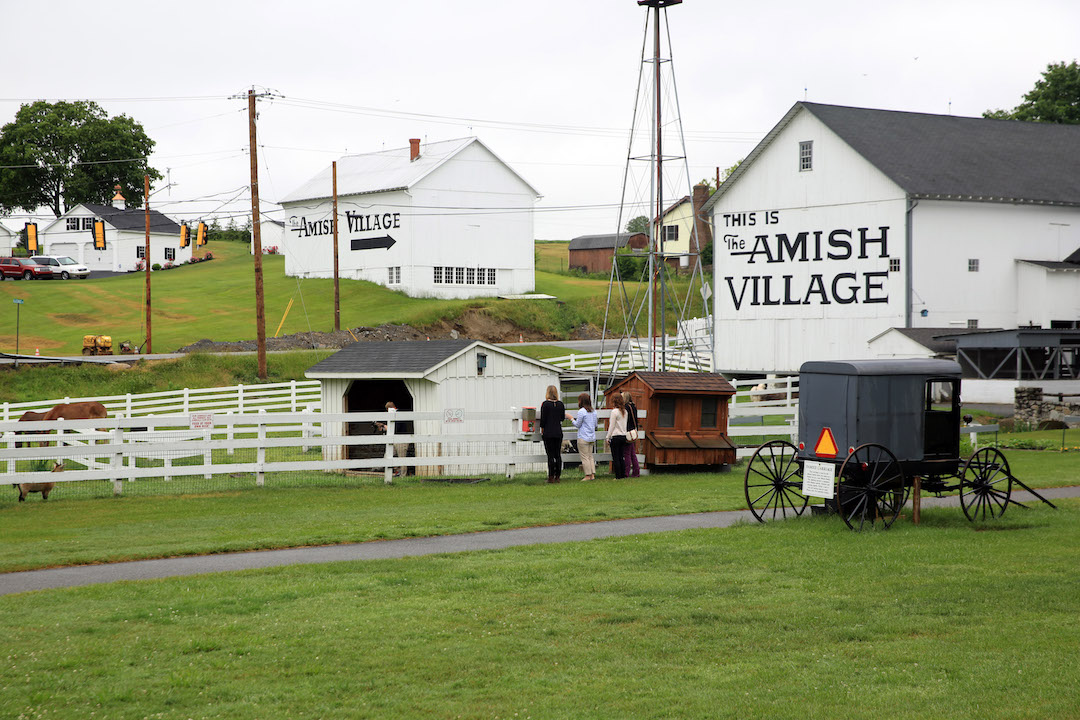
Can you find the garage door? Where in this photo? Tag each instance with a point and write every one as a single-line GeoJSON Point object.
{"type": "Point", "coordinates": [61, 249]}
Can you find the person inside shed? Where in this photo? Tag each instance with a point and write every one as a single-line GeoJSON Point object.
{"type": "Point", "coordinates": [400, 428]}
{"type": "Point", "coordinates": [616, 435]}
{"type": "Point", "coordinates": [630, 461]}
{"type": "Point", "coordinates": [585, 422]}
{"type": "Point", "coordinates": [552, 414]}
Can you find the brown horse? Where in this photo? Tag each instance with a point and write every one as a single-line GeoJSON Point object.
{"type": "Point", "coordinates": [77, 411]}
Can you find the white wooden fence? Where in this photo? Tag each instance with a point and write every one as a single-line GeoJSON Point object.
{"type": "Point", "coordinates": [118, 450]}
{"type": "Point", "coordinates": [292, 396]}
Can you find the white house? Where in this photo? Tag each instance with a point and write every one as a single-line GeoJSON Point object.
{"type": "Point", "coordinates": [71, 234]}
{"type": "Point", "coordinates": [446, 219]}
{"type": "Point", "coordinates": [846, 222]}
{"type": "Point", "coordinates": [464, 376]}
{"type": "Point", "coordinates": [271, 235]}
{"type": "Point", "coordinates": [7, 240]}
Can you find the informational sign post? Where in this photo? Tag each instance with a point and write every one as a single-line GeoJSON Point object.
{"type": "Point", "coordinates": [819, 479]}
{"type": "Point", "coordinates": [202, 421]}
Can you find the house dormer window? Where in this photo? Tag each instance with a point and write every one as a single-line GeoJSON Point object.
{"type": "Point", "coordinates": [806, 155]}
{"type": "Point", "coordinates": [73, 223]}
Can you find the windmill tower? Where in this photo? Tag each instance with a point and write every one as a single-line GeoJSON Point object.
{"type": "Point", "coordinates": [649, 302]}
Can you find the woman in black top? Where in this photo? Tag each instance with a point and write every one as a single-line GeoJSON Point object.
{"type": "Point", "coordinates": [552, 414]}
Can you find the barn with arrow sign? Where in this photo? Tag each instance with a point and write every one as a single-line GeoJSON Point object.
{"type": "Point", "coordinates": [446, 219]}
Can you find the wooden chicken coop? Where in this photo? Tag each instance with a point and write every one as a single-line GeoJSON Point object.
{"type": "Point", "coordinates": [686, 419]}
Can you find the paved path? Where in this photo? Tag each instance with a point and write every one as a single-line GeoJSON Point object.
{"type": "Point", "coordinates": [18, 582]}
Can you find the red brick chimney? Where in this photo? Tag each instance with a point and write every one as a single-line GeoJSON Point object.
{"type": "Point", "coordinates": [414, 149]}
{"type": "Point", "coordinates": [701, 223]}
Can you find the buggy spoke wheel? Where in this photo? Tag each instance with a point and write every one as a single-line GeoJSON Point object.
{"type": "Point", "coordinates": [773, 482]}
{"type": "Point", "coordinates": [985, 485]}
{"type": "Point", "coordinates": [870, 488]}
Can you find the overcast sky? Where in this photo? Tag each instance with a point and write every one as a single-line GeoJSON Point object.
{"type": "Point", "coordinates": [549, 87]}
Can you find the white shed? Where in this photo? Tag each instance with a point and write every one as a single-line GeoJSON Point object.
{"type": "Point", "coordinates": [430, 376]}
{"type": "Point", "coordinates": [71, 234]}
{"type": "Point", "coordinates": [448, 219]}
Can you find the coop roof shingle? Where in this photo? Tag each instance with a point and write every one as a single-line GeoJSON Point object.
{"type": "Point", "coordinates": [679, 382]}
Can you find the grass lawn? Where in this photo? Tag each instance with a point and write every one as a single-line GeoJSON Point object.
{"type": "Point", "coordinates": [64, 531]}
{"type": "Point", "coordinates": [797, 619]}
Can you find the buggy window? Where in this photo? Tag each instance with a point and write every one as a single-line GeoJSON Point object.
{"type": "Point", "coordinates": [939, 395]}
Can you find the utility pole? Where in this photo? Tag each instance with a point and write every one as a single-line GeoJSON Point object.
{"type": "Point", "coordinates": [148, 346]}
{"type": "Point", "coordinates": [260, 315]}
{"type": "Point", "coordinates": [337, 295]}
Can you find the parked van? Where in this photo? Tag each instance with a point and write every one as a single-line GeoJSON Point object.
{"type": "Point", "coordinates": [63, 266]}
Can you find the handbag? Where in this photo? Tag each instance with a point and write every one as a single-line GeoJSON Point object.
{"type": "Point", "coordinates": [631, 435]}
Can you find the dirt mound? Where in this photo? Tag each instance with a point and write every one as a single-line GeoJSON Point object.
{"type": "Point", "coordinates": [474, 325]}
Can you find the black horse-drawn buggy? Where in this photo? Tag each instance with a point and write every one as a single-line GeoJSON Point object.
{"type": "Point", "coordinates": [868, 430]}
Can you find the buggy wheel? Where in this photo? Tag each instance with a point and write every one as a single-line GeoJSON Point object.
{"type": "Point", "coordinates": [774, 482]}
{"type": "Point", "coordinates": [985, 485]}
{"type": "Point", "coordinates": [870, 488]}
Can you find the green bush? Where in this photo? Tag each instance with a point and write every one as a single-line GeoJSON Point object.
{"type": "Point", "coordinates": [155, 266]}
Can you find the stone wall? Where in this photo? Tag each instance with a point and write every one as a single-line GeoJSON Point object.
{"type": "Point", "coordinates": [1030, 407]}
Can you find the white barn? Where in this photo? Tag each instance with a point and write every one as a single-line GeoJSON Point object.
{"type": "Point", "coordinates": [469, 376]}
{"type": "Point", "coordinates": [846, 222]}
{"type": "Point", "coordinates": [71, 234]}
{"type": "Point", "coordinates": [446, 219]}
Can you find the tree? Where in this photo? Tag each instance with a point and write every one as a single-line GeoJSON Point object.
{"type": "Point", "coordinates": [57, 155]}
{"type": "Point", "coordinates": [1054, 99]}
{"type": "Point", "coordinates": [640, 224]}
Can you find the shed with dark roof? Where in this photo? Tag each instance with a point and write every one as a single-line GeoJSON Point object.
{"type": "Point", "coordinates": [686, 419]}
{"type": "Point", "coordinates": [592, 253]}
{"type": "Point", "coordinates": [460, 377]}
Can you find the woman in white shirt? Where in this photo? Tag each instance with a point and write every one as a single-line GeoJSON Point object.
{"type": "Point", "coordinates": [616, 435]}
{"type": "Point", "coordinates": [585, 422]}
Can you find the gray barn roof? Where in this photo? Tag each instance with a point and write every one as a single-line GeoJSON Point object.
{"type": "Point", "coordinates": [399, 359]}
{"type": "Point", "coordinates": [950, 157]}
{"type": "Point", "coordinates": [593, 242]}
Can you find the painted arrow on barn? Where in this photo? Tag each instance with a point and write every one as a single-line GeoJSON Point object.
{"type": "Point", "coordinates": [370, 243]}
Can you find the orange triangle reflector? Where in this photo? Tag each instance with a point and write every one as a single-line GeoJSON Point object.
{"type": "Point", "coordinates": [826, 445]}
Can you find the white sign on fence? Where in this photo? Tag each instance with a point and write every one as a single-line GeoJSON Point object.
{"type": "Point", "coordinates": [454, 415]}
{"type": "Point", "coordinates": [202, 421]}
{"type": "Point", "coordinates": [818, 479]}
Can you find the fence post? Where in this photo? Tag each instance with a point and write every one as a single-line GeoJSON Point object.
{"type": "Point", "coordinates": [230, 433]}
{"type": "Point", "coordinates": [292, 395]}
{"type": "Point", "coordinates": [260, 454]}
{"type": "Point", "coordinates": [240, 399]}
{"type": "Point", "coordinates": [511, 467]}
{"type": "Point", "coordinates": [118, 456]}
{"type": "Point", "coordinates": [127, 405]}
{"type": "Point", "coordinates": [187, 401]}
{"type": "Point", "coordinates": [6, 410]}
{"type": "Point", "coordinates": [306, 434]}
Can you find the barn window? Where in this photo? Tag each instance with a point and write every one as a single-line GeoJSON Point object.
{"type": "Point", "coordinates": [973, 323]}
{"type": "Point", "coordinates": [491, 276]}
{"type": "Point", "coordinates": [973, 265]}
{"type": "Point", "coordinates": [708, 412]}
{"type": "Point", "coordinates": [170, 253]}
{"type": "Point", "coordinates": [394, 275]}
{"type": "Point", "coordinates": [470, 276]}
{"type": "Point", "coordinates": [806, 155]}
{"type": "Point", "coordinates": [88, 223]}
{"type": "Point", "coordinates": [438, 274]}
{"type": "Point", "coordinates": [894, 264]}
{"type": "Point", "coordinates": [666, 413]}
{"type": "Point", "coordinates": [140, 251]}
{"type": "Point", "coordinates": [73, 223]}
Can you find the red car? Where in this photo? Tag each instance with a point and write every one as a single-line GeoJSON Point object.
{"type": "Point", "coordinates": [21, 268]}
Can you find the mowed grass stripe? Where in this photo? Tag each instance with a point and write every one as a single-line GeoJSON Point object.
{"type": "Point", "coordinates": [799, 619]}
